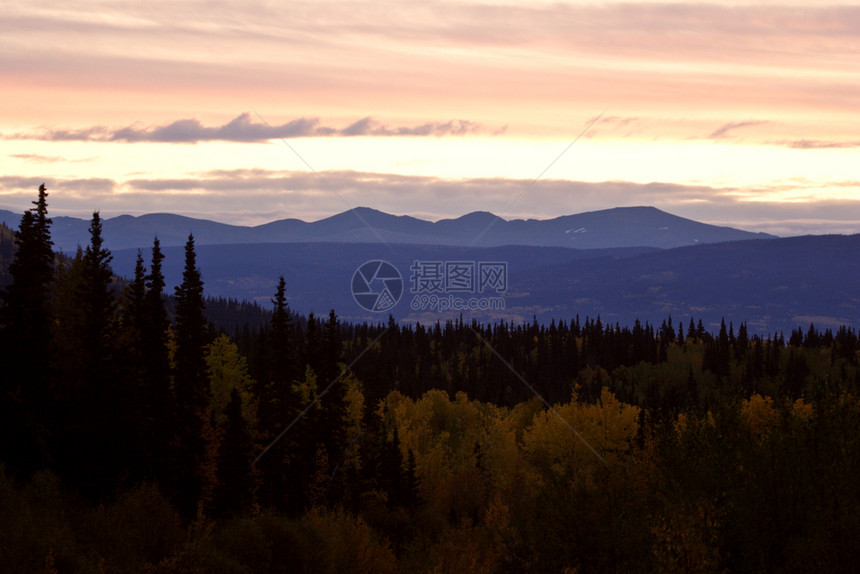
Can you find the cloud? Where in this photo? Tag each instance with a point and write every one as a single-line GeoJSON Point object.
{"type": "Point", "coordinates": [818, 144]}
{"type": "Point", "coordinates": [618, 120]}
{"type": "Point", "coordinates": [38, 158]}
{"type": "Point", "coordinates": [256, 196]}
{"type": "Point", "coordinates": [382, 56]}
{"type": "Point", "coordinates": [79, 187]}
{"type": "Point", "coordinates": [244, 129]}
{"type": "Point", "coordinates": [724, 129]}
{"type": "Point", "coordinates": [369, 127]}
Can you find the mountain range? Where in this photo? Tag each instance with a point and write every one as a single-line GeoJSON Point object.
{"type": "Point", "coordinates": [620, 264]}
{"type": "Point", "coordinates": [617, 227]}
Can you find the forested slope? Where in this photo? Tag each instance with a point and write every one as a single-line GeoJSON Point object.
{"type": "Point", "coordinates": [134, 438]}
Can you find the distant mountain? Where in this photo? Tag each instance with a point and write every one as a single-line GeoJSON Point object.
{"type": "Point", "coordinates": [774, 284]}
{"type": "Point", "coordinates": [618, 227]}
{"type": "Point", "coordinates": [769, 284]}
{"type": "Point", "coordinates": [319, 274]}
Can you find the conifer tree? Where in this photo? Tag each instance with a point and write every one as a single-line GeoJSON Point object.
{"type": "Point", "coordinates": [145, 332]}
{"type": "Point", "coordinates": [233, 493]}
{"type": "Point", "coordinates": [411, 496]}
{"type": "Point", "coordinates": [26, 346]}
{"type": "Point", "coordinates": [282, 364]}
{"type": "Point", "coordinates": [97, 295]}
{"type": "Point", "coordinates": [155, 333]}
{"type": "Point", "coordinates": [156, 399]}
{"type": "Point", "coordinates": [191, 384]}
{"type": "Point", "coordinates": [278, 403]}
{"type": "Point", "coordinates": [133, 321]}
{"type": "Point", "coordinates": [389, 468]}
{"type": "Point", "coordinates": [134, 312]}
{"type": "Point", "coordinates": [313, 351]}
{"type": "Point", "coordinates": [333, 403]}
{"type": "Point", "coordinates": [99, 401]}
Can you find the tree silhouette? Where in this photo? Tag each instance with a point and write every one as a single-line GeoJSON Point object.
{"type": "Point", "coordinates": [233, 492]}
{"type": "Point", "coordinates": [26, 346]}
{"type": "Point", "coordinates": [191, 385]}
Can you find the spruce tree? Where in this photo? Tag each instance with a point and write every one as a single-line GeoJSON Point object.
{"type": "Point", "coordinates": [134, 311]}
{"type": "Point", "coordinates": [95, 382]}
{"type": "Point", "coordinates": [26, 346]}
{"type": "Point", "coordinates": [281, 361]}
{"type": "Point", "coordinates": [191, 384]}
{"type": "Point", "coordinates": [156, 398]}
{"type": "Point", "coordinates": [133, 321]}
{"type": "Point", "coordinates": [145, 337]}
{"type": "Point", "coordinates": [97, 294]}
{"type": "Point", "coordinates": [332, 422]}
{"type": "Point", "coordinates": [233, 493]}
{"type": "Point", "coordinates": [313, 346]}
{"type": "Point", "coordinates": [278, 403]}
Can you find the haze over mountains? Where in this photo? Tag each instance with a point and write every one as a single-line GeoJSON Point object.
{"type": "Point", "coordinates": [618, 227]}
{"type": "Point", "coordinates": [620, 264]}
{"type": "Point", "coordinates": [771, 284]}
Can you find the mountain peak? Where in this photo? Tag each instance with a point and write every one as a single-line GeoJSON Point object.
{"type": "Point", "coordinates": [479, 216]}
{"type": "Point", "coordinates": [471, 219]}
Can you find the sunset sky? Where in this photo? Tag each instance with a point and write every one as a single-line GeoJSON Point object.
{"type": "Point", "coordinates": [738, 113]}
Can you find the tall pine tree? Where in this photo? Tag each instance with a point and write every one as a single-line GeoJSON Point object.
{"type": "Point", "coordinates": [133, 320]}
{"type": "Point", "coordinates": [191, 384]}
{"type": "Point", "coordinates": [156, 398]}
{"type": "Point", "coordinates": [26, 347]}
{"type": "Point", "coordinates": [233, 493]}
{"type": "Point", "coordinates": [282, 354]}
{"type": "Point", "coordinates": [332, 422]}
{"type": "Point", "coordinates": [279, 405]}
{"type": "Point", "coordinates": [94, 383]}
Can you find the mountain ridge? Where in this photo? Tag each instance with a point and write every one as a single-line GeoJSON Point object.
{"type": "Point", "coordinates": [639, 226]}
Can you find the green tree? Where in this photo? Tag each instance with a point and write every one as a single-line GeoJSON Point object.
{"type": "Point", "coordinates": [134, 310]}
{"type": "Point", "coordinates": [282, 353]}
{"type": "Point", "coordinates": [332, 423]}
{"type": "Point", "coordinates": [156, 399]}
{"type": "Point", "coordinates": [131, 335]}
{"type": "Point", "coordinates": [279, 403]}
{"type": "Point", "coordinates": [99, 415]}
{"type": "Point", "coordinates": [26, 348]}
{"type": "Point", "coordinates": [191, 384]}
{"type": "Point", "coordinates": [233, 492]}
{"type": "Point", "coordinates": [154, 336]}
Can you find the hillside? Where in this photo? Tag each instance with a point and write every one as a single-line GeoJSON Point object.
{"type": "Point", "coordinates": [319, 274]}
{"type": "Point", "coordinates": [773, 284]}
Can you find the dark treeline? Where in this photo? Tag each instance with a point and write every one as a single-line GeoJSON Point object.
{"type": "Point", "coordinates": [7, 251]}
{"type": "Point", "coordinates": [151, 432]}
{"type": "Point", "coordinates": [488, 361]}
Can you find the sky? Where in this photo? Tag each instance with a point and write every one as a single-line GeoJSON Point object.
{"type": "Point", "coordinates": [735, 113]}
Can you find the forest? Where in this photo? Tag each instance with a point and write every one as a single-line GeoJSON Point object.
{"type": "Point", "coordinates": [144, 431]}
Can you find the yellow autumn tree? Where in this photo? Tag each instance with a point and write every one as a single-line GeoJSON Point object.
{"type": "Point", "coordinates": [760, 414]}
{"type": "Point", "coordinates": [228, 370]}
{"type": "Point", "coordinates": [571, 439]}
{"type": "Point", "coordinates": [353, 416]}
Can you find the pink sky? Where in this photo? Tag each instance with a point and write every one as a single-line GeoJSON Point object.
{"type": "Point", "coordinates": [737, 113]}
